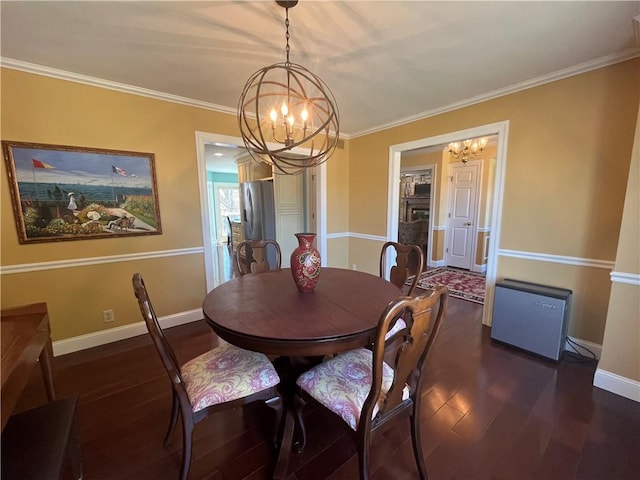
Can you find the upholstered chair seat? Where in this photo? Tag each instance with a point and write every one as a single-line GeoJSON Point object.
{"type": "Point", "coordinates": [226, 373]}
{"type": "Point", "coordinates": [370, 388]}
{"type": "Point", "coordinates": [224, 377]}
{"type": "Point", "coordinates": [343, 383]}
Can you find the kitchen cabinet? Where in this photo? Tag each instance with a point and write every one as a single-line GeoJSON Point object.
{"type": "Point", "coordinates": [249, 169]}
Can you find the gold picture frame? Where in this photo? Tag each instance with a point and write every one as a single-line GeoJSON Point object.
{"type": "Point", "coordinates": [77, 193]}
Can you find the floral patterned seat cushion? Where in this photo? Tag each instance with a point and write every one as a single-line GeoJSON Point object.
{"type": "Point", "coordinates": [342, 384]}
{"type": "Point", "coordinates": [226, 373]}
{"type": "Point", "coordinates": [400, 325]}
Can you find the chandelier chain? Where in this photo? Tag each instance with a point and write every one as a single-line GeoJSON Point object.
{"type": "Point", "coordinates": [287, 36]}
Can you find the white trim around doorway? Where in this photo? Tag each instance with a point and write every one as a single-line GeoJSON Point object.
{"type": "Point", "coordinates": [203, 138]}
{"type": "Point", "coordinates": [501, 129]}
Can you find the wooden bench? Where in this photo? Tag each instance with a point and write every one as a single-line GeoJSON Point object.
{"type": "Point", "coordinates": [35, 442]}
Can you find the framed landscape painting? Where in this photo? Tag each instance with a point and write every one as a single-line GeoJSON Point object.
{"type": "Point", "coordinates": [74, 193]}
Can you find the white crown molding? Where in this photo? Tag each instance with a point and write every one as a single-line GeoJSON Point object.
{"type": "Point", "coordinates": [622, 277]}
{"type": "Point", "coordinates": [83, 262]}
{"type": "Point", "coordinates": [601, 62]}
{"type": "Point", "coordinates": [581, 262]}
{"type": "Point", "coordinates": [119, 87]}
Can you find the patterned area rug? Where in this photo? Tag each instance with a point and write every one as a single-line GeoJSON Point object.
{"type": "Point", "coordinates": [461, 283]}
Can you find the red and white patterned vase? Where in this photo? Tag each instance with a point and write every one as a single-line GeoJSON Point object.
{"type": "Point", "coordinates": [305, 263]}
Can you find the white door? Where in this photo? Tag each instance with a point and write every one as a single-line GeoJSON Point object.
{"type": "Point", "coordinates": [463, 201]}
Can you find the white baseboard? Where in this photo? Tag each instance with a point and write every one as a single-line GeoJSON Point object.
{"type": "Point", "coordinates": [625, 387]}
{"type": "Point", "coordinates": [594, 347]}
{"type": "Point", "coordinates": [82, 342]}
{"type": "Point", "coordinates": [436, 263]}
{"type": "Point", "coordinates": [480, 268]}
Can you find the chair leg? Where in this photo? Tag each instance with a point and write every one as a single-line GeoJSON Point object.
{"type": "Point", "coordinates": [187, 439]}
{"type": "Point", "coordinates": [173, 420]}
{"type": "Point", "coordinates": [299, 404]}
{"type": "Point", "coordinates": [276, 404]}
{"type": "Point", "coordinates": [363, 460]}
{"type": "Point", "coordinates": [416, 440]}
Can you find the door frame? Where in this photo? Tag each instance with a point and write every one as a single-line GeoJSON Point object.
{"type": "Point", "coordinates": [501, 129]}
{"type": "Point", "coordinates": [474, 231]}
{"type": "Point", "coordinates": [204, 138]}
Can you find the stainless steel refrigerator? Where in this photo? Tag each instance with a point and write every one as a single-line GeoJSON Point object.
{"type": "Point", "coordinates": [258, 213]}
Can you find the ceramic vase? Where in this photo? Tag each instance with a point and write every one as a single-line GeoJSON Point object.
{"type": "Point", "coordinates": [305, 263]}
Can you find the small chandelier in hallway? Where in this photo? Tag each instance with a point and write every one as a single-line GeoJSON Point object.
{"type": "Point", "coordinates": [467, 149]}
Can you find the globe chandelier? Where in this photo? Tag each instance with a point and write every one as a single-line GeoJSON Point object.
{"type": "Point", "coordinates": [284, 106]}
{"type": "Point", "coordinates": [467, 149]}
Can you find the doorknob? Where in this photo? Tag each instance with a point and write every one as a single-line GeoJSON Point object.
{"type": "Point", "coordinates": [468, 224]}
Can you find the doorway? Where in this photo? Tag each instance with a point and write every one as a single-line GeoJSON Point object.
{"type": "Point", "coordinates": [320, 200]}
{"type": "Point", "coordinates": [494, 201]}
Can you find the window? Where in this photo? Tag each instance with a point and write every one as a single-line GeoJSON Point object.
{"type": "Point", "coordinates": [226, 200]}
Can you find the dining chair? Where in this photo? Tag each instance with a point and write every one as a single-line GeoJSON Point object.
{"type": "Point", "coordinates": [369, 393]}
{"type": "Point", "coordinates": [222, 378]}
{"type": "Point", "coordinates": [229, 231]}
{"type": "Point", "coordinates": [409, 262]}
{"type": "Point", "coordinates": [252, 256]}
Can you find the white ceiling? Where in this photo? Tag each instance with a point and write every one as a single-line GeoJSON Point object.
{"type": "Point", "coordinates": [386, 62]}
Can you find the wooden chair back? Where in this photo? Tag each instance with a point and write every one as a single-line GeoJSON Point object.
{"type": "Point", "coordinates": [181, 404]}
{"type": "Point", "coordinates": [167, 356]}
{"type": "Point", "coordinates": [251, 256]}
{"type": "Point", "coordinates": [423, 315]}
{"type": "Point", "coordinates": [229, 230]}
{"type": "Point", "coordinates": [409, 261]}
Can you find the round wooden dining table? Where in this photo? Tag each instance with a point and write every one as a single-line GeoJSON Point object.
{"type": "Point", "coordinates": [265, 312]}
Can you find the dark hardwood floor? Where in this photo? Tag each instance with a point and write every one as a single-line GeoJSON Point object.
{"type": "Point", "coordinates": [489, 412]}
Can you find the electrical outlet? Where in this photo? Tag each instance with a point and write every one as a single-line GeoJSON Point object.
{"type": "Point", "coordinates": [108, 316]}
{"type": "Point", "coordinates": [353, 267]}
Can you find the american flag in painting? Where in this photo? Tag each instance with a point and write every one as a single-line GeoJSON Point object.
{"type": "Point", "coordinates": [119, 171]}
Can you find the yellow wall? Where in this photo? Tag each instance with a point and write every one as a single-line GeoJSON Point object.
{"type": "Point", "coordinates": [482, 240]}
{"type": "Point", "coordinates": [40, 109]}
{"type": "Point", "coordinates": [621, 345]}
{"type": "Point", "coordinates": [566, 173]}
{"type": "Point", "coordinates": [566, 176]}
